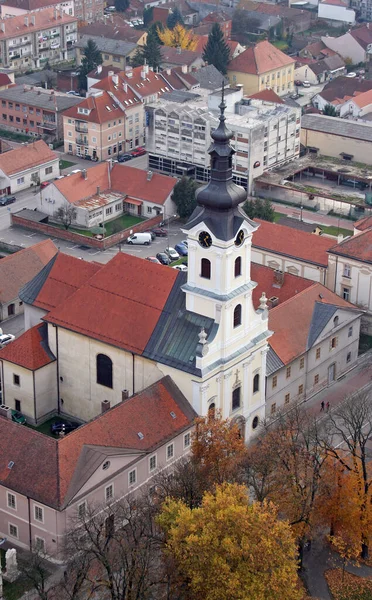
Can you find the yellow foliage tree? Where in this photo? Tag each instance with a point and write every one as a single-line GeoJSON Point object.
{"type": "Point", "coordinates": [178, 37]}
{"type": "Point", "coordinates": [228, 549]}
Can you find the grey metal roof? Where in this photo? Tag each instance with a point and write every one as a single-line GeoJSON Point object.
{"type": "Point", "coordinates": [224, 228]}
{"type": "Point", "coordinates": [337, 126]}
{"type": "Point", "coordinates": [273, 362]}
{"type": "Point", "coordinates": [39, 98]}
{"type": "Point", "coordinates": [117, 47]}
{"type": "Point", "coordinates": [30, 291]}
{"type": "Point", "coordinates": [321, 315]}
{"type": "Point", "coordinates": [180, 96]}
{"type": "Point", "coordinates": [37, 77]}
{"type": "Point", "coordinates": [175, 339]}
{"type": "Point", "coordinates": [210, 78]}
{"type": "Point", "coordinates": [35, 216]}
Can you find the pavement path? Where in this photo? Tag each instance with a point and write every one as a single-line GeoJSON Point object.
{"type": "Point", "coordinates": [310, 216]}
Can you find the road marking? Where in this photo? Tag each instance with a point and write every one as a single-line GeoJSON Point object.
{"type": "Point", "coordinates": [72, 247]}
{"type": "Point", "coordinates": [55, 240]}
{"type": "Point", "coordinates": [94, 253]}
{"type": "Point", "coordinates": [31, 235]}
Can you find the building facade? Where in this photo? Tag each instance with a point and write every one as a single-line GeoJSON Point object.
{"type": "Point", "coordinates": [26, 167]}
{"type": "Point", "coordinates": [15, 8]}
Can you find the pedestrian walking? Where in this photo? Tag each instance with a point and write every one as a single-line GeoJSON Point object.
{"type": "Point", "coordinates": [327, 406]}
{"type": "Point", "coordinates": [322, 406]}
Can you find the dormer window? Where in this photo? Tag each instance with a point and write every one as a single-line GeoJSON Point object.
{"type": "Point", "coordinates": [108, 108]}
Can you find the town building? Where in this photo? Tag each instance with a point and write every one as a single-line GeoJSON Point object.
{"type": "Point", "coordinates": [88, 11]}
{"type": "Point", "coordinates": [318, 71]}
{"type": "Point", "coordinates": [27, 166]}
{"type": "Point", "coordinates": [29, 41]}
{"type": "Point", "coordinates": [294, 19]}
{"type": "Point", "coordinates": [114, 52]}
{"type": "Point", "coordinates": [113, 30]}
{"type": "Point", "coordinates": [333, 136]}
{"type": "Point", "coordinates": [358, 107]}
{"type": "Point", "coordinates": [177, 57]}
{"type": "Point", "coordinates": [336, 10]}
{"type": "Point", "coordinates": [339, 91]}
{"type": "Point", "coordinates": [234, 47]}
{"type": "Point", "coordinates": [103, 193]}
{"type": "Point", "coordinates": [16, 270]}
{"type": "Point", "coordinates": [15, 8]}
{"type": "Point", "coordinates": [356, 44]}
{"type": "Point", "coordinates": [179, 127]}
{"type": "Point", "coordinates": [260, 67]}
{"type": "Point", "coordinates": [36, 112]}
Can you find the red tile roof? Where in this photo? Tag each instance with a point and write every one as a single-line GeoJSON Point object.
{"type": "Point", "coordinates": [30, 350]}
{"type": "Point", "coordinates": [97, 105]}
{"type": "Point", "coordinates": [202, 42]}
{"type": "Point", "coordinates": [143, 83]}
{"type": "Point", "coordinates": [267, 96]}
{"type": "Point", "coordinates": [75, 187]}
{"type": "Point", "coordinates": [160, 14]}
{"type": "Point", "coordinates": [135, 183]}
{"type": "Point", "coordinates": [363, 35]}
{"type": "Point", "coordinates": [291, 242]}
{"type": "Point", "coordinates": [363, 224]}
{"type": "Point", "coordinates": [104, 73]}
{"type": "Point", "coordinates": [259, 59]}
{"type": "Point", "coordinates": [358, 247]}
{"type": "Point", "coordinates": [290, 321]}
{"type": "Point", "coordinates": [43, 19]}
{"type": "Point", "coordinates": [264, 277]}
{"type": "Point", "coordinates": [26, 157]}
{"type": "Point", "coordinates": [18, 269]}
{"type": "Point", "coordinates": [173, 56]}
{"type": "Point", "coordinates": [131, 294]}
{"type": "Point", "coordinates": [5, 80]}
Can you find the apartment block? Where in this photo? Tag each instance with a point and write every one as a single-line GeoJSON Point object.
{"type": "Point", "coordinates": [14, 8]}
{"type": "Point", "coordinates": [29, 41]}
{"type": "Point", "coordinates": [178, 134]}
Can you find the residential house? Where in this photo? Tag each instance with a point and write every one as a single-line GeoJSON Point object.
{"type": "Point", "coordinates": [164, 9]}
{"type": "Point", "coordinates": [104, 123]}
{"type": "Point", "coordinates": [222, 18]}
{"type": "Point", "coordinates": [100, 73]}
{"type": "Point", "coordinates": [315, 342]}
{"type": "Point", "coordinates": [332, 136]}
{"type": "Point", "coordinates": [295, 20]}
{"type": "Point", "coordinates": [290, 250]}
{"type": "Point", "coordinates": [355, 45]}
{"type": "Point", "coordinates": [176, 57]}
{"type": "Point", "coordinates": [36, 112]}
{"type": "Point", "coordinates": [359, 107]}
{"type": "Point", "coordinates": [314, 50]}
{"type": "Point", "coordinates": [27, 166]}
{"type": "Point", "coordinates": [234, 47]}
{"type": "Point", "coordinates": [262, 66]}
{"type": "Point", "coordinates": [265, 96]}
{"type": "Point", "coordinates": [101, 194]}
{"type": "Point", "coordinates": [114, 31]}
{"type": "Point", "coordinates": [18, 269]}
{"type": "Point", "coordinates": [319, 71]}
{"type": "Point", "coordinates": [336, 10]}
{"type": "Point", "coordinates": [6, 80]}
{"type": "Point", "coordinates": [15, 8]}
{"type": "Point", "coordinates": [179, 78]}
{"type": "Point", "coordinates": [28, 41]}
{"type": "Point", "coordinates": [340, 90]}
{"type": "Point", "coordinates": [88, 11]}
{"type": "Point", "coordinates": [114, 52]}
{"type": "Point", "coordinates": [209, 78]}
{"type": "Point", "coordinates": [40, 497]}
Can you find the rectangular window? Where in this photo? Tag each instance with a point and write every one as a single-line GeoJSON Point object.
{"type": "Point", "coordinates": [346, 293]}
{"type": "Point", "coordinates": [300, 389]}
{"type": "Point", "coordinates": [17, 405]}
{"type": "Point", "coordinates": [187, 440]}
{"type": "Point", "coordinates": [39, 543]}
{"type": "Point", "coordinates": [317, 355]}
{"type": "Point", "coordinates": [236, 398]}
{"type": "Point", "coordinates": [348, 357]}
{"type": "Point", "coordinates": [288, 372]}
{"type": "Point", "coordinates": [152, 462]}
{"type": "Point", "coordinates": [16, 379]}
{"type": "Point", "coordinates": [11, 501]}
{"type": "Point", "coordinates": [286, 398]}
{"type": "Point", "coordinates": [170, 451]}
{"type": "Point", "coordinates": [18, 120]}
{"type": "Point", "coordinates": [13, 530]}
{"type": "Point", "coordinates": [275, 381]}
{"type": "Point", "coordinates": [48, 170]}
{"type": "Point", "coordinates": [20, 180]}
{"type": "Point", "coordinates": [302, 363]}
{"type": "Point", "coordinates": [347, 271]}
{"type": "Point", "coordinates": [333, 342]}
{"type": "Point", "coordinates": [273, 408]}
{"type": "Point", "coordinates": [82, 509]}
{"type": "Point", "coordinates": [109, 492]}
{"type": "Point", "coordinates": [39, 514]}
{"type": "Point", "coordinates": [316, 379]}
{"type": "Point", "coordinates": [350, 332]}
{"type": "Point", "coordinates": [132, 477]}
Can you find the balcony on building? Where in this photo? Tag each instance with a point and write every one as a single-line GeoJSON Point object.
{"type": "Point", "coordinates": [81, 127]}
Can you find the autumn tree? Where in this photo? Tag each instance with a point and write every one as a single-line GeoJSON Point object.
{"type": "Point", "coordinates": [66, 214]}
{"type": "Point", "coordinates": [149, 53]}
{"type": "Point", "coordinates": [228, 549]}
{"type": "Point", "coordinates": [178, 37]}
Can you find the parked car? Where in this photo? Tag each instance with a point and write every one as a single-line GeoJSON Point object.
{"type": "Point", "coordinates": [73, 93]}
{"type": "Point", "coordinates": [124, 157]}
{"type": "Point", "coordinates": [180, 268]}
{"type": "Point", "coordinates": [351, 75]}
{"type": "Point", "coordinates": [4, 200]}
{"type": "Point", "coordinates": [160, 232]}
{"type": "Point", "coordinates": [44, 184]}
{"type": "Point", "coordinates": [306, 84]}
{"type": "Point", "coordinates": [5, 339]}
{"type": "Point", "coordinates": [163, 258]}
{"type": "Point", "coordinates": [18, 417]}
{"type": "Point", "coordinates": [153, 259]}
{"type": "Point", "coordinates": [185, 243]}
{"type": "Point", "coordinates": [298, 82]}
{"type": "Point", "coordinates": [181, 249]}
{"type": "Point", "coordinates": [173, 255]}
{"type": "Point", "coordinates": [65, 426]}
{"type": "Point", "coordinates": [138, 152]}
{"type": "Point", "coordinates": [140, 238]}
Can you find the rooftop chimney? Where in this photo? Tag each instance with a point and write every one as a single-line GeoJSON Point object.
{"type": "Point", "coordinates": [84, 174]}
{"type": "Point", "coordinates": [110, 73]}
{"type": "Point", "coordinates": [98, 190]}
{"type": "Point", "coordinates": [55, 14]}
{"type": "Point", "coordinates": [273, 301]}
{"type": "Point", "coordinates": [99, 69]}
{"type": "Point", "coordinates": [149, 175]}
{"type": "Point", "coordinates": [105, 405]}
{"type": "Point", "coordinates": [143, 74]}
{"type": "Point", "coordinates": [184, 68]}
{"type": "Point", "coordinates": [129, 71]}
{"type": "Point", "coordinates": [26, 21]}
{"type": "Point", "coordinates": [168, 71]}
{"type": "Point", "coordinates": [146, 68]}
{"type": "Point", "coordinates": [124, 395]}
{"type": "Point", "coordinates": [115, 79]}
{"type": "Point", "coordinates": [2, 27]}
{"type": "Point", "coordinates": [278, 278]}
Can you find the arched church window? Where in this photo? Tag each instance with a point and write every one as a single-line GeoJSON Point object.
{"type": "Point", "coordinates": [104, 370]}
{"type": "Point", "coordinates": [212, 411]}
{"type": "Point", "coordinates": [236, 398]}
{"type": "Point", "coordinates": [256, 383]}
{"type": "Point", "coordinates": [255, 423]}
{"type": "Point", "coordinates": [205, 268]}
{"type": "Point", "coordinates": [238, 266]}
{"type": "Point", "coordinates": [335, 321]}
{"type": "Point", "coordinates": [237, 315]}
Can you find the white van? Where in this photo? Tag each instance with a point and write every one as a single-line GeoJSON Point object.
{"type": "Point", "coordinates": [139, 238]}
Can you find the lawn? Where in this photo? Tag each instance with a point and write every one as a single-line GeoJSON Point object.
{"type": "Point", "coordinates": [281, 45]}
{"type": "Point", "coordinates": [45, 427]}
{"type": "Point", "coordinates": [122, 222]}
{"type": "Point", "coordinates": [12, 591]}
{"type": "Point", "coordinates": [365, 343]}
{"type": "Point", "coordinates": [17, 137]}
{"type": "Point", "coordinates": [328, 229]}
{"type": "Point", "coordinates": [65, 164]}
{"type": "Point", "coordinates": [347, 586]}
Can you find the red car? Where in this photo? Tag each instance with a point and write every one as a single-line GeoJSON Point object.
{"type": "Point", "coordinates": [138, 152]}
{"type": "Point", "coordinates": [159, 232]}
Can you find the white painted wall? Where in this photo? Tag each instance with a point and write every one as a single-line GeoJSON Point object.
{"type": "Point", "coordinates": [22, 180]}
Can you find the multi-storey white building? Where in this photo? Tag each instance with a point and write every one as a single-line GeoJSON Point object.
{"type": "Point", "coordinates": [178, 134]}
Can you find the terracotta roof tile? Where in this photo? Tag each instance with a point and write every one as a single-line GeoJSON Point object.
{"type": "Point", "coordinates": [26, 157]}
{"type": "Point", "coordinates": [5, 80]}
{"type": "Point", "coordinates": [358, 247]}
{"type": "Point", "coordinates": [29, 4]}
{"type": "Point", "coordinates": [97, 105]}
{"type": "Point", "coordinates": [175, 57]}
{"type": "Point", "coordinates": [292, 242]}
{"type": "Point", "coordinates": [363, 35]}
{"type": "Point", "coordinates": [268, 96]}
{"type": "Point", "coordinates": [259, 59]}
{"type": "Point", "coordinates": [30, 350]}
{"type": "Point", "coordinates": [43, 19]}
{"type": "Point", "coordinates": [130, 292]}
{"type": "Point", "coordinates": [104, 73]}
{"type": "Point", "coordinates": [75, 187]}
{"type": "Point", "coordinates": [142, 84]}
{"type": "Point", "coordinates": [363, 224]}
{"type": "Point", "coordinates": [18, 269]}
{"type": "Point", "coordinates": [264, 277]}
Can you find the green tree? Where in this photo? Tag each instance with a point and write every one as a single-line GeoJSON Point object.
{"type": "Point", "coordinates": [147, 16]}
{"type": "Point", "coordinates": [260, 209]}
{"type": "Point", "coordinates": [330, 110]}
{"type": "Point", "coordinates": [184, 196]}
{"type": "Point", "coordinates": [92, 58]}
{"type": "Point", "coordinates": [216, 51]}
{"type": "Point", "coordinates": [121, 5]}
{"type": "Point", "coordinates": [175, 17]}
{"type": "Point", "coordinates": [149, 53]}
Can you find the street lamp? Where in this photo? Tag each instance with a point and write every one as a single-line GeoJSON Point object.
{"type": "Point", "coordinates": [301, 209]}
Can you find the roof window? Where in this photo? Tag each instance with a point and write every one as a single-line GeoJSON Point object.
{"type": "Point", "coordinates": [108, 108]}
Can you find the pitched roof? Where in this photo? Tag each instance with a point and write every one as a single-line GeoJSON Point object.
{"type": "Point", "coordinates": [30, 350]}
{"type": "Point", "coordinates": [265, 279]}
{"type": "Point", "coordinates": [142, 83]}
{"type": "Point", "coordinates": [334, 2]}
{"type": "Point", "coordinates": [259, 59]}
{"type": "Point", "coordinates": [358, 247]}
{"type": "Point", "coordinates": [103, 73]}
{"type": "Point", "coordinates": [38, 20]}
{"type": "Point", "coordinates": [341, 89]}
{"type": "Point", "coordinates": [337, 126]}
{"type": "Point", "coordinates": [19, 268]}
{"type": "Point", "coordinates": [117, 47]}
{"type": "Point", "coordinates": [46, 99]}
{"type": "Point", "coordinates": [112, 31]}
{"type": "Point", "coordinates": [314, 49]}
{"type": "Point", "coordinates": [26, 157]}
{"type": "Point", "coordinates": [5, 79]}
{"type": "Point", "coordinates": [363, 224]}
{"type": "Point", "coordinates": [202, 42]}
{"type": "Point", "coordinates": [267, 96]}
{"type": "Point", "coordinates": [363, 99]}
{"type": "Point", "coordinates": [209, 77]}
{"type": "Point", "coordinates": [131, 293]}
{"type": "Point", "coordinates": [57, 281]}
{"type": "Point", "coordinates": [30, 4]}
{"type": "Point", "coordinates": [102, 108]}
{"type": "Point", "coordinates": [48, 470]}
{"type": "Point", "coordinates": [295, 323]}
{"type": "Point", "coordinates": [292, 242]}
{"type": "Point", "coordinates": [174, 56]}
{"type": "Point", "coordinates": [363, 35]}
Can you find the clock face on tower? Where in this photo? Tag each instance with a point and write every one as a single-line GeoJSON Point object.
{"type": "Point", "coordinates": [205, 239]}
{"type": "Point", "coordinates": [239, 238]}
